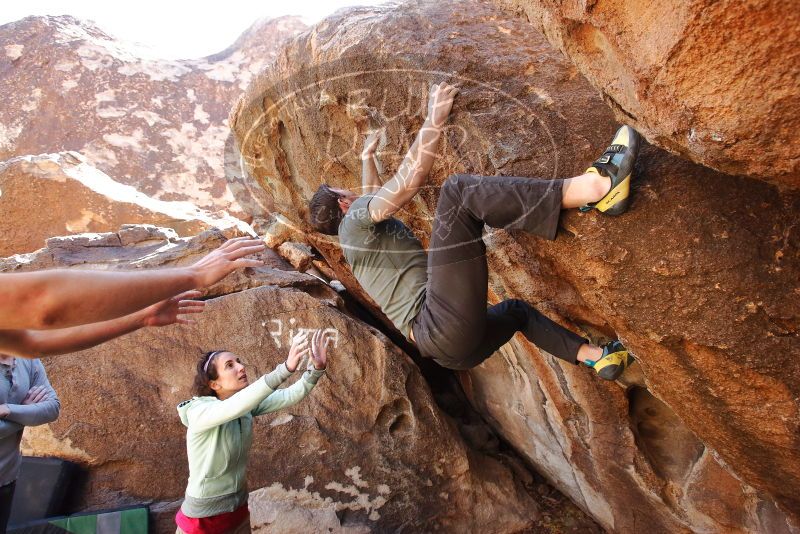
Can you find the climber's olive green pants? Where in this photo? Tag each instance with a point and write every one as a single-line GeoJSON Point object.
{"type": "Point", "coordinates": [454, 326]}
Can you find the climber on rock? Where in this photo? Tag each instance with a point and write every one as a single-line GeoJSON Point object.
{"type": "Point", "coordinates": [52, 312]}
{"type": "Point", "coordinates": [219, 430]}
{"type": "Point", "coordinates": [438, 299]}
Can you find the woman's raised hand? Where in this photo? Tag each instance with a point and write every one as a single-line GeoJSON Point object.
{"type": "Point", "coordinates": [319, 349]}
{"type": "Point", "coordinates": [298, 349]}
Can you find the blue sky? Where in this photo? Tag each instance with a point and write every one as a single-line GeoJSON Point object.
{"type": "Point", "coordinates": [177, 29]}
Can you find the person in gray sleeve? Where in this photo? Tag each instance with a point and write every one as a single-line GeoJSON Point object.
{"type": "Point", "coordinates": [27, 400]}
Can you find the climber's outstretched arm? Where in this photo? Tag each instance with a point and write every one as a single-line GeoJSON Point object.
{"type": "Point", "coordinates": [370, 182]}
{"type": "Point", "coordinates": [417, 164]}
{"type": "Point", "coordinates": [64, 298]}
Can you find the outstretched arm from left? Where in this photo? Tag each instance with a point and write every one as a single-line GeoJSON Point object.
{"type": "Point", "coordinates": [61, 298]}
{"type": "Point", "coordinates": [37, 343]}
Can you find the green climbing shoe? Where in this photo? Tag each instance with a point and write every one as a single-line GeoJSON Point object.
{"type": "Point", "coordinates": [613, 362]}
{"type": "Point", "coordinates": [616, 163]}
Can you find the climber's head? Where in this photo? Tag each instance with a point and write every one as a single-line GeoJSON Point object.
{"type": "Point", "coordinates": [219, 374]}
{"type": "Point", "coordinates": [327, 208]}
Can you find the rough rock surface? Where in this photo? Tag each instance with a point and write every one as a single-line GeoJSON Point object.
{"type": "Point", "coordinates": [275, 230]}
{"type": "Point", "coordinates": [713, 81]}
{"type": "Point", "coordinates": [699, 279]}
{"type": "Point", "coordinates": [157, 125]}
{"type": "Point", "coordinates": [59, 194]}
{"type": "Point", "coordinates": [368, 451]}
{"type": "Point", "coordinates": [298, 254]}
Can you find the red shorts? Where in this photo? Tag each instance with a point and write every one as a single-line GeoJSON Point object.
{"type": "Point", "coordinates": [216, 524]}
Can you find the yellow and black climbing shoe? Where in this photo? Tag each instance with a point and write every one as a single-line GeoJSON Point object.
{"type": "Point", "coordinates": [613, 362]}
{"type": "Point", "coordinates": [616, 163]}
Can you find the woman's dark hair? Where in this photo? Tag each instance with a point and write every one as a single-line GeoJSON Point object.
{"type": "Point", "coordinates": [206, 372]}
{"type": "Point", "coordinates": [324, 211]}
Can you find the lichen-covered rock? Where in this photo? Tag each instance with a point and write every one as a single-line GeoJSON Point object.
{"type": "Point", "coordinates": [698, 278]}
{"type": "Point", "coordinates": [713, 81]}
{"type": "Point", "coordinates": [157, 125]}
{"type": "Point", "coordinates": [59, 194]}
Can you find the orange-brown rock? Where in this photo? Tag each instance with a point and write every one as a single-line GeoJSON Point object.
{"type": "Point", "coordinates": [59, 194]}
{"type": "Point", "coordinates": [367, 451]}
{"type": "Point", "coordinates": [157, 125]}
{"type": "Point", "coordinates": [275, 230]}
{"type": "Point", "coordinates": [699, 278]}
{"type": "Point", "coordinates": [715, 82]}
{"type": "Point", "coordinates": [298, 254]}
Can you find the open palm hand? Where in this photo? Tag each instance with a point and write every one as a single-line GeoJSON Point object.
{"type": "Point", "coordinates": [169, 311]}
{"type": "Point", "coordinates": [319, 349]}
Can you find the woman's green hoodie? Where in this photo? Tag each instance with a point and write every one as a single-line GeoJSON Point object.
{"type": "Point", "coordinates": [219, 434]}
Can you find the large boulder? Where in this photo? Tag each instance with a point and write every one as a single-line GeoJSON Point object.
{"type": "Point", "coordinates": [157, 125]}
{"type": "Point", "coordinates": [696, 279]}
{"type": "Point", "coordinates": [59, 194]}
{"type": "Point", "coordinates": [715, 82]}
{"type": "Point", "coordinates": [368, 450]}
